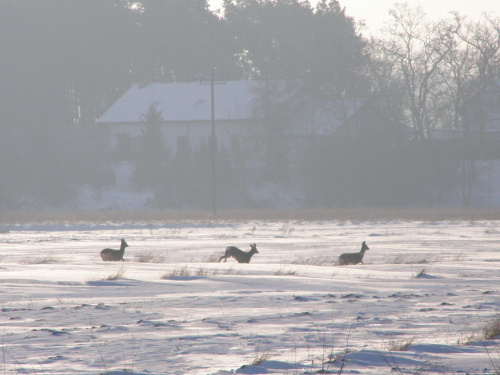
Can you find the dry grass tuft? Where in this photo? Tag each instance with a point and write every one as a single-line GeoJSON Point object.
{"type": "Point", "coordinates": [492, 329]}
{"type": "Point", "coordinates": [405, 259]}
{"type": "Point", "coordinates": [179, 272]}
{"type": "Point", "coordinates": [284, 272]}
{"type": "Point", "coordinates": [489, 332]}
{"type": "Point", "coordinates": [468, 339]}
{"type": "Point", "coordinates": [460, 257]}
{"type": "Point", "coordinates": [420, 273]}
{"type": "Point", "coordinates": [429, 258]}
{"type": "Point", "coordinates": [43, 259]}
{"type": "Point", "coordinates": [313, 262]}
{"type": "Point", "coordinates": [150, 258]}
{"type": "Point", "coordinates": [189, 272]}
{"type": "Point", "coordinates": [214, 258]}
{"type": "Point", "coordinates": [202, 272]}
{"type": "Point", "coordinates": [400, 345]}
{"type": "Point", "coordinates": [117, 275]}
{"type": "Point", "coordinates": [260, 358]}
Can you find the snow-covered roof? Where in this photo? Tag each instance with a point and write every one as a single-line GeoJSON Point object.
{"type": "Point", "coordinates": [191, 101]}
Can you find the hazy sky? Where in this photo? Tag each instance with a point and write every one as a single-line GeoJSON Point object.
{"type": "Point", "coordinates": [376, 12]}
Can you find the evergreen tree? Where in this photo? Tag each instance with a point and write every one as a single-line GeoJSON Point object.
{"type": "Point", "coordinates": [326, 49]}
{"type": "Point", "coordinates": [151, 167]}
{"type": "Point", "coordinates": [179, 40]}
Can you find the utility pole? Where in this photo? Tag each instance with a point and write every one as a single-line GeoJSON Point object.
{"type": "Point", "coordinates": [214, 146]}
{"type": "Point", "coordinates": [213, 155]}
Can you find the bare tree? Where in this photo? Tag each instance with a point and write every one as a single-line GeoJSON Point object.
{"type": "Point", "coordinates": [387, 89]}
{"type": "Point", "coordinates": [472, 66]}
{"type": "Point", "coordinates": [483, 39]}
{"type": "Point", "coordinates": [417, 48]}
{"type": "Point", "coordinates": [469, 67]}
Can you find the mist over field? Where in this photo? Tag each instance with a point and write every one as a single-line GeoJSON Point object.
{"type": "Point", "coordinates": [409, 118]}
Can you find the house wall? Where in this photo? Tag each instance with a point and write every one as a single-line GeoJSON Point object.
{"type": "Point", "coordinates": [191, 135]}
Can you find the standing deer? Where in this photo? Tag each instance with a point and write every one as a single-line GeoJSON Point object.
{"type": "Point", "coordinates": [240, 255]}
{"type": "Point", "coordinates": [112, 255]}
{"type": "Point", "coordinates": [353, 258]}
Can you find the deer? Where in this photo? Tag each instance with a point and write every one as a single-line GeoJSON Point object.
{"type": "Point", "coordinates": [240, 255]}
{"type": "Point", "coordinates": [353, 258]}
{"type": "Point", "coordinates": [111, 255]}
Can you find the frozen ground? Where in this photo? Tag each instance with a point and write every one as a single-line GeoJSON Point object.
{"type": "Point", "coordinates": [426, 287]}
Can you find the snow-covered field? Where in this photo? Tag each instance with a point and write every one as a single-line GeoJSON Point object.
{"type": "Point", "coordinates": [418, 304]}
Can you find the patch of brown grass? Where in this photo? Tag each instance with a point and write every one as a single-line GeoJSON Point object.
{"type": "Point", "coordinates": [329, 214]}
{"type": "Point", "coordinates": [189, 272]}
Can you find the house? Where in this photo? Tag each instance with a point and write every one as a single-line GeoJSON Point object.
{"type": "Point", "coordinates": [185, 110]}
{"type": "Point", "coordinates": [243, 109]}
{"type": "Point", "coordinates": [265, 132]}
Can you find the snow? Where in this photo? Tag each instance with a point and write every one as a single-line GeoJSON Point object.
{"type": "Point", "coordinates": [485, 187]}
{"type": "Point", "coordinates": [123, 195]}
{"type": "Point", "coordinates": [190, 101]}
{"type": "Point", "coordinates": [291, 310]}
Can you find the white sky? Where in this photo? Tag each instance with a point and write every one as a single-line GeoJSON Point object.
{"type": "Point", "coordinates": [375, 12]}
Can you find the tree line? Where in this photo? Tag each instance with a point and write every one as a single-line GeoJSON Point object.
{"type": "Point", "coordinates": [64, 63]}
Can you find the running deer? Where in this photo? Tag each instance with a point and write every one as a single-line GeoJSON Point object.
{"type": "Point", "coordinates": [353, 258]}
{"type": "Point", "coordinates": [240, 255]}
{"type": "Point", "coordinates": [112, 255]}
